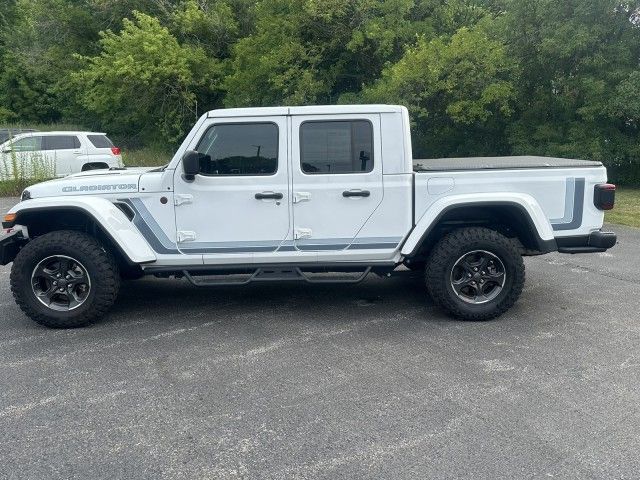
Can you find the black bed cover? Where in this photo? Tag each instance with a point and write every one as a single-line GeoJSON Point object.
{"type": "Point", "coordinates": [497, 163]}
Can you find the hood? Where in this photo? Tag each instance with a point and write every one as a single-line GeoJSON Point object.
{"type": "Point", "coordinates": [92, 182]}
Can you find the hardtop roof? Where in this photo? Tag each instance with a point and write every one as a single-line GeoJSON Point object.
{"type": "Point", "coordinates": [306, 110]}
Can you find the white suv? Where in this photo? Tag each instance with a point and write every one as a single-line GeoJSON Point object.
{"type": "Point", "coordinates": [58, 154]}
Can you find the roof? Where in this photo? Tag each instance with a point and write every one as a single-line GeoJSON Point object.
{"type": "Point", "coordinates": [64, 132]}
{"type": "Point", "coordinates": [307, 110]}
{"type": "Point", "coordinates": [20, 135]}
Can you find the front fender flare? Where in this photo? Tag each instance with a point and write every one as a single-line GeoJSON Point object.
{"type": "Point", "coordinates": [529, 206]}
{"type": "Point", "coordinates": [110, 218]}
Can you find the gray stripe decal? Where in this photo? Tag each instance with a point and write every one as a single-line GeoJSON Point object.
{"type": "Point", "coordinates": [158, 240]}
{"type": "Point", "coordinates": [149, 228]}
{"type": "Point", "coordinates": [211, 247]}
{"type": "Point", "coordinates": [573, 206]}
{"type": "Point", "coordinates": [373, 246]}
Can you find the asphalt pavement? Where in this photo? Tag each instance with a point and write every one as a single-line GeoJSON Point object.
{"type": "Point", "coordinates": [279, 381]}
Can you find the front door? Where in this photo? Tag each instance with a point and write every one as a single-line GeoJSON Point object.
{"type": "Point", "coordinates": [239, 203]}
{"type": "Point", "coordinates": [337, 179]}
{"type": "Point", "coordinates": [24, 159]}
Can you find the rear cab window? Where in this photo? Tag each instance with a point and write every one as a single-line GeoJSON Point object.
{"type": "Point", "coordinates": [100, 141]}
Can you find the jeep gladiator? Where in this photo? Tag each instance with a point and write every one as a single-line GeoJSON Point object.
{"type": "Point", "coordinates": [318, 194]}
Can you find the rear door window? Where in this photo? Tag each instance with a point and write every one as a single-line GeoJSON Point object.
{"type": "Point", "coordinates": [61, 142]}
{"type": "Point", "coordinates": [336, 147]}
{"type": "Point", "coordinates": [100, 141]}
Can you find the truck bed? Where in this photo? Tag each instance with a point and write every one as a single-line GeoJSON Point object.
{"type": "Point", "coordinates": [497, 163]}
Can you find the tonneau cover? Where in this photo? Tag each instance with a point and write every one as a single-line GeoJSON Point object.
{"type": "Point", "coordinates": [497, 163]}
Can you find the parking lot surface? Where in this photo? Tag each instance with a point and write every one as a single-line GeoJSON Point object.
{"type": "Point", "coordinates": [317, 381]}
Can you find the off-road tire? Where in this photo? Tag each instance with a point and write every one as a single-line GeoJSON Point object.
{"type": "Point", "coordinates": [416, 266]}
{"type": "Point", "coordinates": [452, 247]}
{"type": "Point", "coordinates": [128, 273]}
{"type": "Point", "coordinates": [99, 263]}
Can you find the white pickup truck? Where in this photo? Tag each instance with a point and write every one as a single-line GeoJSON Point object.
{"type": "Point", "coordinates": [320, 194]}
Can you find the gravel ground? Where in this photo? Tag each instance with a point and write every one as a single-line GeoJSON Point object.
{"type": "Point", "coordinates": [316, 381]}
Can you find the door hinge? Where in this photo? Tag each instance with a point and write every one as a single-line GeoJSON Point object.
{"type": "Point", "coordinates": [182, 199]}
{"type": "Point", "coordinates": [302, 233]}
{"type": "Point", "coordinates": [301, 197]}
{"type": "Point", "coordinates": [183, 236]}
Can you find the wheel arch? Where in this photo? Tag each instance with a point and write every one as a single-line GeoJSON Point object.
{"type": "Point", "coordinates": [94, 166]}
{"type": "Point", "coordinates": [96, 216]}
{"type": "Point", "coordinates": [514, 219]}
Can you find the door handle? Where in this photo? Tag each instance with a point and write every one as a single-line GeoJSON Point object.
{"type": "Point", "coordinates": [268, 195]}
{"type": "Point", "coordinates": [356, 193]}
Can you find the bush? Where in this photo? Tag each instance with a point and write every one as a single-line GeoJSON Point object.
{"type": "Point", "coordinates": [627, 173]}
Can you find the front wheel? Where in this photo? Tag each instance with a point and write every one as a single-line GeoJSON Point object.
{"type": "Point", "coordinates": [64, 279]}
{"type": "Point", "coordinates": [475, 274]}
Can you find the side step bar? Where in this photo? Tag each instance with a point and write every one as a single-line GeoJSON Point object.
{"type": "Point", "coordinates": [278, 274]}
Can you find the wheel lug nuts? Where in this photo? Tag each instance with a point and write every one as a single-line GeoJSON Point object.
{"type": "Point", "coordinates": [475, 269]}
{"type": "Point", "coordinates": [55, 283]}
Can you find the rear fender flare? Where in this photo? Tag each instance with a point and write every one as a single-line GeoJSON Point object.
{"type": "Point", "coordinates": [528, 205]}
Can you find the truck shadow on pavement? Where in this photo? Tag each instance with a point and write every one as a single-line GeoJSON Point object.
{"type": "Point", "coordinates": [170, 300]}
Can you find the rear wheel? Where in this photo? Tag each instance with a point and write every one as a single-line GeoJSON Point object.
{"type": "Point", "coordinates": [64, 279]}
{"type": "Point", "coordinates": [94, 166]}
{"type": "Point", "coordinates": [475, 274]}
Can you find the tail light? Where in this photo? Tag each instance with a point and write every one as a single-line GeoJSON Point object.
{"type": "Point", "coordinates": [604, 196]}
{"type": "Point", "coordinates": [115, 150]}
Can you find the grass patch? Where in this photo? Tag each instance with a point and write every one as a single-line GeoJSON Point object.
{"type": "Point", "coordinates": [145, 157]}
{"type": "Point", "coordinates": [627, 208]}
{"type": "Point", "coordinates": [13, 188]}
{"type": "Point", "coordinates": [19, 170]}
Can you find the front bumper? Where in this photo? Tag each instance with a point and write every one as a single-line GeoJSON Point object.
{"type": "Point", "coordinates": [594, 242]}
{"type": "Point", "coordinates": [10, 245]}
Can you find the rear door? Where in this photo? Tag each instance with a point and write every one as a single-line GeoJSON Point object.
{"type": "Point", "coordinates": [336, 178]}
{"type": "Point", "coordinates": [65, 151]}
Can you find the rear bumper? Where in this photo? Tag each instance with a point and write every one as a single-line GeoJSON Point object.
{"type": "Point", "coordinates": [595, 242]}
{"type": "Point", "coordinates": [10, 245]}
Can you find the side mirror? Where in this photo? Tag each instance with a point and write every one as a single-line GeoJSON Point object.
{"type": "Point", "coordinates": [6, 150]}
{"type": "Point", "coordinates": [191, 164]}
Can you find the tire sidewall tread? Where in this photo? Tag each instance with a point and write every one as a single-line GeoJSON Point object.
{"type": "Point", "coordinates": [456, 244]}
{"type": "Point", "coordinates": [100, 265]}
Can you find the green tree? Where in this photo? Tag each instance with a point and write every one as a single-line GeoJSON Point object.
{"type": "Point", "coordinates": [211, 25]}
{"type": "Point", "coordinates": [578, 61]}
{"type": "Point", "coordinates": [38, 40]}
{"type": "Point", "coordinates": [143, 81]}
{"type": "Point", "coordinates": [458, 90]}
{"type": "Point", "coordinates": [305, 51]}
